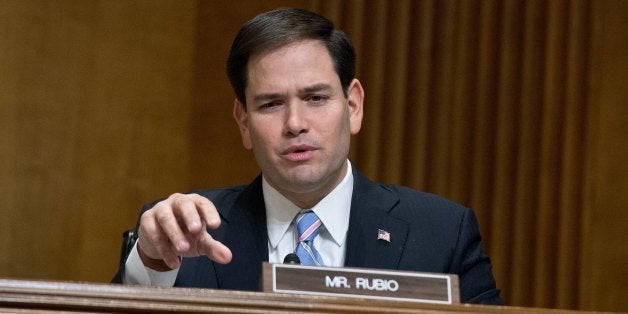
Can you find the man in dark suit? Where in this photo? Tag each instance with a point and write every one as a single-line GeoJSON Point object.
{"type": "Point", "coordinates": [297, 105]}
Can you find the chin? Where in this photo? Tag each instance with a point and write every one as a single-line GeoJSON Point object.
{"type": "Point", "coordinates": [303, 181]}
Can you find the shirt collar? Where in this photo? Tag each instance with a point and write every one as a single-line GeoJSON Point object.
{"type": "Point", "coordinates": [333, 210]}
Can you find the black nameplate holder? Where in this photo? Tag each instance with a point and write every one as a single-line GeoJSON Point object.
{"type": "Point", "coordinates": [361, 283]}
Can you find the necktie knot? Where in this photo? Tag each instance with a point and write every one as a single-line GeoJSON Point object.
{"type": "Point", "coordinates": [307, 226]}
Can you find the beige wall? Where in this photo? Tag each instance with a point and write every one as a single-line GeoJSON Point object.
{"type": "Point", "coordinates": [106, 105]}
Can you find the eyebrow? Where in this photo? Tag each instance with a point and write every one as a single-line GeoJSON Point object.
{"type": "Point", "coordinates": [320, 87]}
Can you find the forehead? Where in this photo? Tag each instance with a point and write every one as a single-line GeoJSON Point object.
{"type": "Point", "coordinates": [299, 60]}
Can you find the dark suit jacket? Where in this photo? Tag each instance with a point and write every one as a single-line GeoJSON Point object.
{"type": "Point", "coordinates": [428, 234]}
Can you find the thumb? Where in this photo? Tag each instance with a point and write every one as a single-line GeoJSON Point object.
{"type": "Point", "coordinates": [213, 249]}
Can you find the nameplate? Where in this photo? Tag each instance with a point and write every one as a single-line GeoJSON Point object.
{"type": "Point", "coordinates": [362, 283]}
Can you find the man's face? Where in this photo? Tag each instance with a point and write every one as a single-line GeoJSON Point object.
{"type": "Point", "coordinates": [298, 121]}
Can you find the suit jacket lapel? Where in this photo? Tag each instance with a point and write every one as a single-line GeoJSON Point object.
{"type": "Point", "coordinates": [371, 205]}
{"type": "Point", "coordinates": [247, 237]}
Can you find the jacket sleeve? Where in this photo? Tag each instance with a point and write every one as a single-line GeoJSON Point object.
{"type": "Point", "coordinates": [477, 284]}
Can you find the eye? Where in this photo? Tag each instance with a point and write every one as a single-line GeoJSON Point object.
{"type": "Point", "coordinates": [268, 105]}
{"type": "Point", "coordinates": [317, 99]}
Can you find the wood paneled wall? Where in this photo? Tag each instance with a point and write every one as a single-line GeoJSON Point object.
{"type": "Point", "coordinates": [95, 111]}
{"type": "Point", "coordinates": [485, 102]}
{"type": "Point", "coordinates": [514, 108]}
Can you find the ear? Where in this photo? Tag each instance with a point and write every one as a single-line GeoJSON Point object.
{"type": "Point", "coordinates": [242, 119]}
{"type": "Point", "coordinates": [355, 97]}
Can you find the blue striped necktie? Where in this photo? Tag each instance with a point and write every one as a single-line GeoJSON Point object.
{"type": "Point", "coordinates": [307, 227]}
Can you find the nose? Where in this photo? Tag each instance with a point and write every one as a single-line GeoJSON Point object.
{"type": "Point", "coordinates": [295, 120]}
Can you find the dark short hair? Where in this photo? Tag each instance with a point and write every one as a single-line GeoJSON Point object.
{"type": "Point", "coordinates": [275, 29]}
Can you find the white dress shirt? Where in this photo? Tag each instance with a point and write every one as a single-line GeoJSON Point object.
{"type": "Point", "coordinates": [333, 211]}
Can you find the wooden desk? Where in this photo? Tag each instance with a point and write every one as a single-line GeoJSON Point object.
{"type": "Point", "coordinates": [26, 296]}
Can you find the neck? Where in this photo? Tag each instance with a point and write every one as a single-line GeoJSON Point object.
{"type": "Point", "coordinates": [309, 198]}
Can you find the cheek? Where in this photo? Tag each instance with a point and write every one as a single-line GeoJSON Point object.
{"type": "Point", "coordinates": [336, 132]}
{"type": "Point", "coordinates": [343, 124]}
{"type": "Point", "coordinates": [261, 136]}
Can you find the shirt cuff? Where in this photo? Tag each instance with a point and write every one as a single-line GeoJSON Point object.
{"type": "Point", "coordinates": [136, 273]}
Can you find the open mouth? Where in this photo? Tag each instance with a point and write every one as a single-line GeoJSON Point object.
{"type": "Point", "coordinates": [299, 152]}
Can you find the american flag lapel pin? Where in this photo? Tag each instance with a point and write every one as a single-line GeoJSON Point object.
{"type": "Point", "coordinates": [383, 235]}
